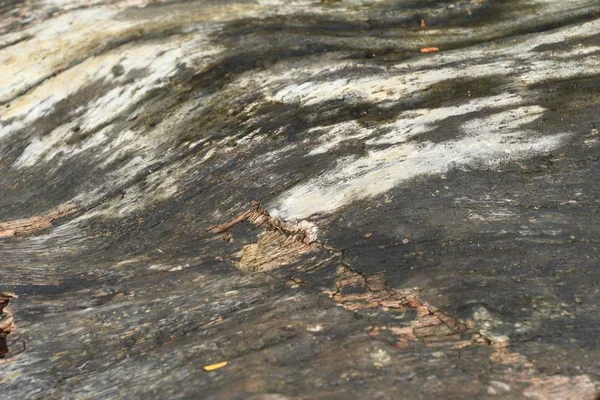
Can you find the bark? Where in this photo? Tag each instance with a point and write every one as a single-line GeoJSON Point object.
{"type": "Point", "coordinates": [299, 199]}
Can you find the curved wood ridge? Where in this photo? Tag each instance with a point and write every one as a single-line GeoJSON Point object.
{"type": "Point", "coordinates": [426, 214]}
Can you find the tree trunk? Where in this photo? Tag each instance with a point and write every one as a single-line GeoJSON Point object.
{"type": "Point", "coordinates": [339, 199]}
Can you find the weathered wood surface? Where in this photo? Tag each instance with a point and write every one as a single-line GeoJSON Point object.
{"type": "Point", "coordinates": [429, 224]}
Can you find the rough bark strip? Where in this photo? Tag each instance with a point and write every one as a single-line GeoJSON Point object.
{"type": "Point", "coordinates": [37, 223]}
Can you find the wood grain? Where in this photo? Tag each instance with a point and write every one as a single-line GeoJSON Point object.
{"type": "Point", "coordinates": [429, 223]}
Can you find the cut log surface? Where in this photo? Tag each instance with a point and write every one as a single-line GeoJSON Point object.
{"type": "Point", "coordinates": [300, 199]}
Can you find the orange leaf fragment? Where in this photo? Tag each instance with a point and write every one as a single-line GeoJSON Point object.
{"type": "Point", "coordinates": [430, 50]}
{"type": "Point", "coordinates": [422, 23]}
{"type": "Point", "coordinates": [212, 367]}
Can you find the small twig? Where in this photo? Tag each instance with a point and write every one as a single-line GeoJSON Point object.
{"type": "Point", "coordinates": [231, 223]}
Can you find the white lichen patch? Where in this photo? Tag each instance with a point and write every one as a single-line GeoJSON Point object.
{"type": "Point", "coordinates": [415, 122]}
{"type": "Point", "coordinates": [54, 44]}
{"type": "Point", "coordinates": [169, 268]}
{"type": "Point", "coordinates": [385, 88]}
{"type": "Point", "coordinates": [334, 135]}
{"type": "Point", "coordinates": [104, 142]}
{"type": "Point", "coordinates": [154, 62]}
{"type": "Point", "coordinates": [314, 328]}
{"type": "Point", "coordinates": [61, 42]}
{"type": "Point", "coordinates": [159, 186]}
{"type": "Point", "coordinates": [486, 142]}
{"type": "Point", "coordinates": [394, 152]}
{"type": "Point", "coordinates": [406, 78]}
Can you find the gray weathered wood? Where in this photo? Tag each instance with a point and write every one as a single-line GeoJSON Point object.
{"type": "Point", "coordinates": [428, 222]}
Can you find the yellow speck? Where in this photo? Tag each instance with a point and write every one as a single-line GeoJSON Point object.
{"type": "Point", "coordinates": [212, 367]}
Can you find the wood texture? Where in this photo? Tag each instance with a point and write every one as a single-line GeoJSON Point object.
{"type": "Point", "coordinates": [431, 218]}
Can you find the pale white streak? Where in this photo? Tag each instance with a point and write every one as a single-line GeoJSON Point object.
{"type": "Point", "coordinates": [160, 63]}
{"type": "Point", "coordinates": [395, 86]}
{"type": "Point", "coordinates": [336, 134]}
{"type": "Point", "coordinates": [392, 88]}
{"type": "Point", "coordinates": [283, 3]}
{"type": "Point", "coordinates": [416, 122]}
{"type": "Point", "coordinates": [157, 57]}
{"type": "Point", "coordinates": [43, 98]}
{"type": "Point", "coordinates": [54, 44]}
{"type": "Point", "coordinates": [541, 71]}
{"type": "Point", "coordinates": [117, 177]}
{"type": "Point", "coordinates": [377, 89]}
{"type": "Point", "coordinates": [408, 124]}
{"type": "Point", "coordinates": [578, 52]}
{"type": "Point", "coordinates": [155, 62]}
{"type": "Point", "coordinates": [50, 145]}
{"type": "Point", "coordinates": [71, 4]}
{"type": "Point", "coordinates": [40, 146]}
{"type": "Point", "coordinates": [69, 39]}
{"type": "Point", "coordinates": [315, 6]}
{"type": "Point", "coordinates": [120, 145]}
{"type": "Point", "coordinates": [488, 141]}
{"type": "Point", "coordinates": [159, 186]}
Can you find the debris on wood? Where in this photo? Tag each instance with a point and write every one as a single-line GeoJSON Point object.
{"type": "Point", "coordinates": [227, 237]}
{"type": "Point", "coordinates": [238, 219]}
{"type": "Point", "coordinates": [215, 321]}
{"type": "Point", "coordinates": [295, 282]}
{"type": "Point", "coordinates": [281, 244]}
{"type": "Point", "coordinates": [7, 324]}
{"type": "Point", "coordinates": [357, 292]}
{"type": "Point", "coordinates": [256, 215]}
{"type": "Point", "coordinates": [6, 321]}
{"type": "Point", "coordinates": [213, 367]}
{"type": "Point", "coordinates": [430, 50]}
{"type": "Point", "coordinates": [272, 250]}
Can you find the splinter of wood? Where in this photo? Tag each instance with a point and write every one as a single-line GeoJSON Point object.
{"type": "Point", "coordinates": [220, 228]}
{"type": "Point", "coordinates": [258, 216]}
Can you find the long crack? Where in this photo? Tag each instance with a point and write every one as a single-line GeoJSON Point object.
{"type": "Point", "coordinates": [353, 290]}
{"type": "Point", "coordinates": [285, 241]}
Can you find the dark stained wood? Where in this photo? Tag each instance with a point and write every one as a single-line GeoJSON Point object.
{"type": "Point", "coordinates": [426, 203]}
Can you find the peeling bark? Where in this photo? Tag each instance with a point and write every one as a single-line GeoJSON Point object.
{"type": "Point", "coordinates": [7, 323]}
{"type": "Point", "coordinates": [35, 224]}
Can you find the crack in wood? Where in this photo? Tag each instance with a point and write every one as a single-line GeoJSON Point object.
{"type": "Point", "coordinates": [283, 242]}
{"type": "Point", "coordinates": [258, 216]}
